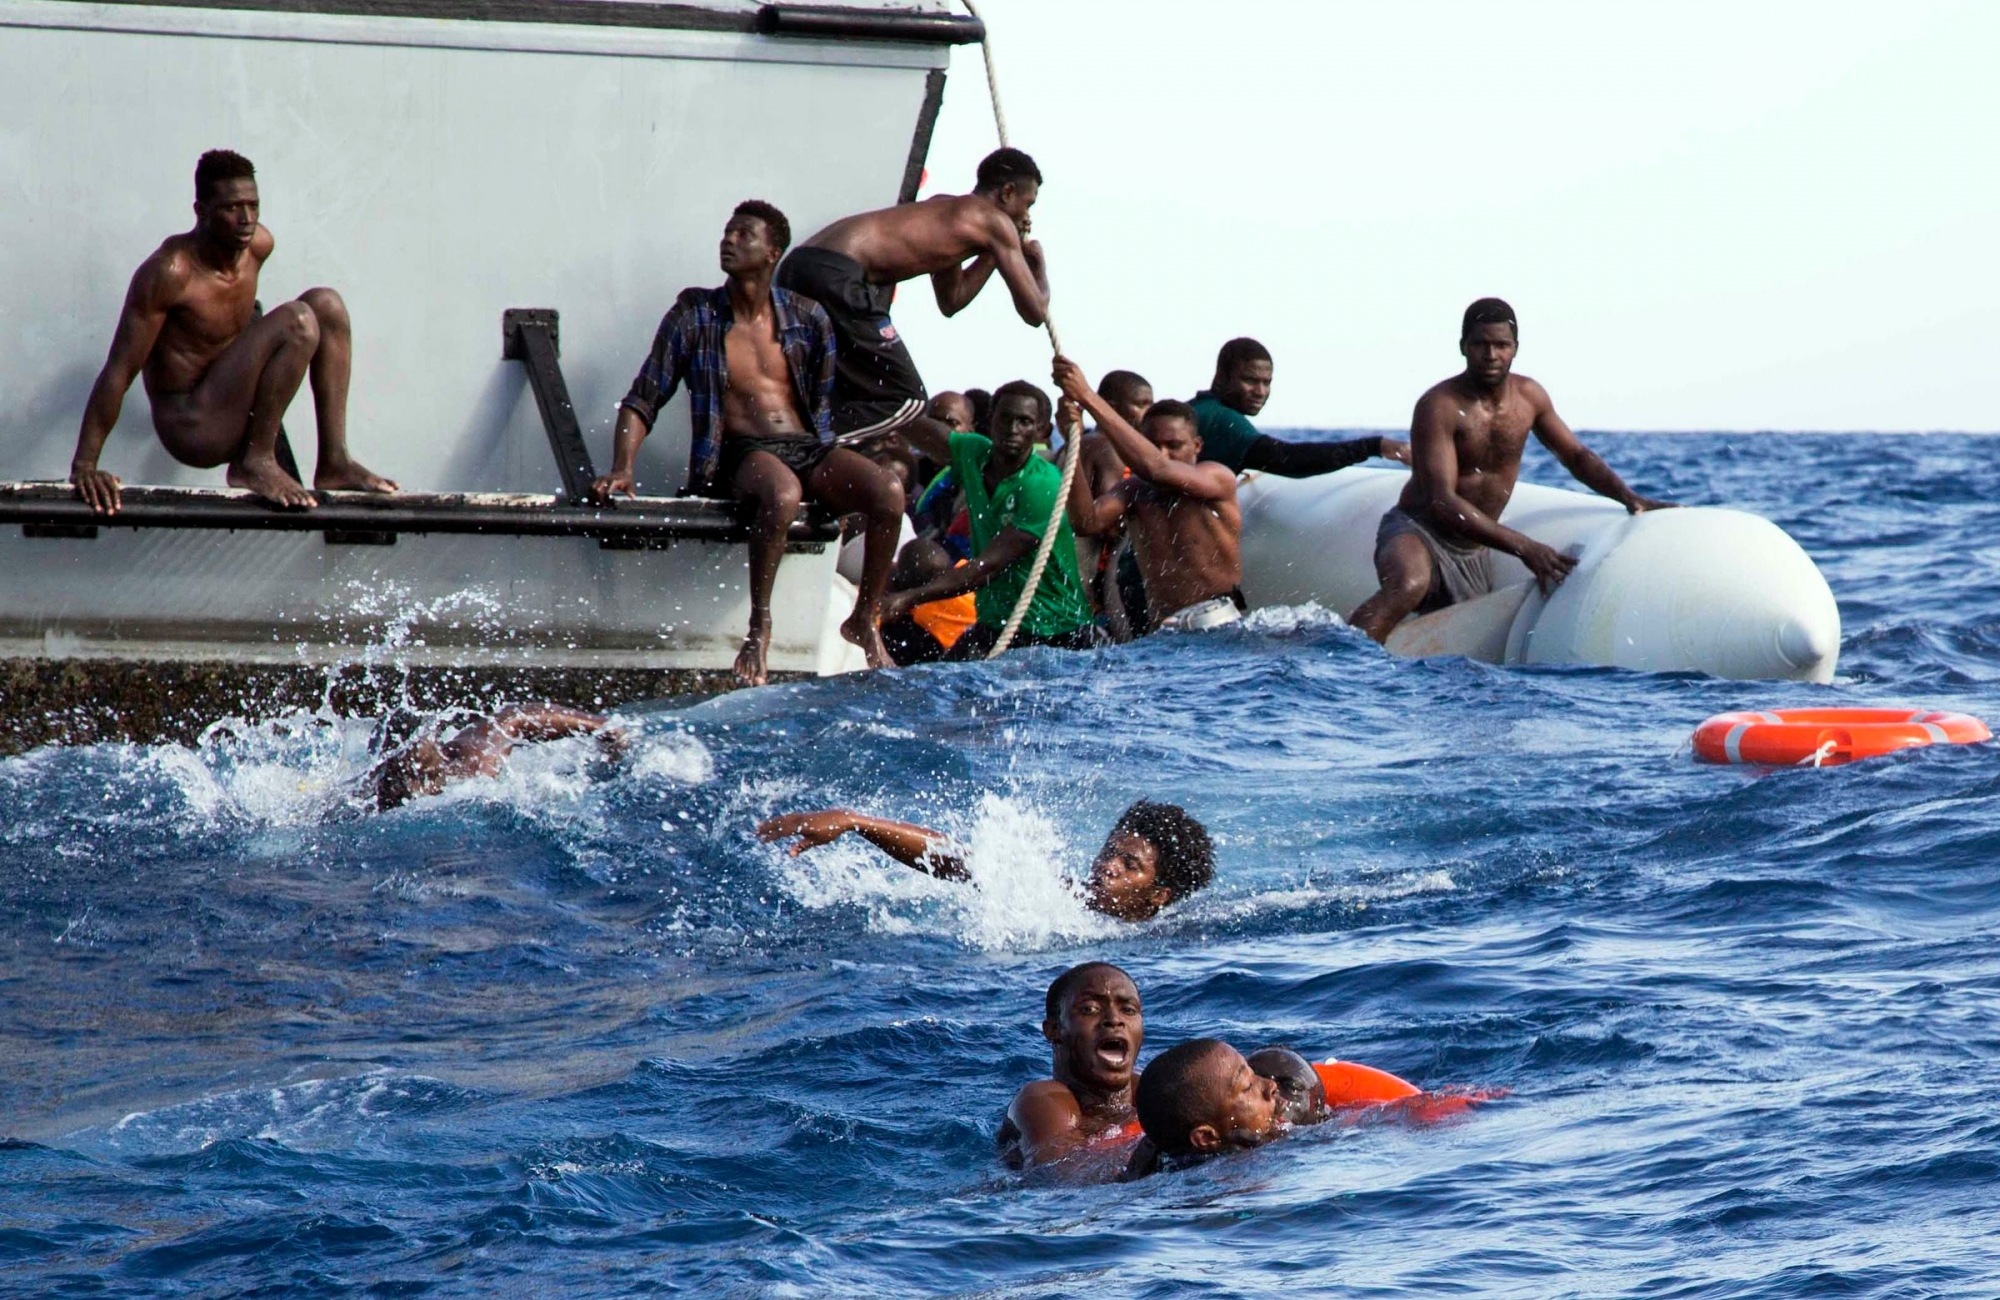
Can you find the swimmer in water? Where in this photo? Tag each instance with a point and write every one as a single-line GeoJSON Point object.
{"type": "Point", "coordinates": [1155, 855]}
{"type": "Point", "coordinates": [1301, 1094]}
{"type": "Point", "coordinates": [419, 765]}
{"type": "Point", "coordinates": [1201, 1099]}
{"type": "Point", "coordinates": [1095, 1024]}
{"type": "Point", "coordinates": [1301, 1100]}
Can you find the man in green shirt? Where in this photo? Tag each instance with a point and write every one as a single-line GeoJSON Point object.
{"type": "Point", "coordinates": [1241, 387]}
{"type": "Point", "coordinates": [1009, 495]}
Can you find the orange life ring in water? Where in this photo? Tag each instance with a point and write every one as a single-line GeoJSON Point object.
{"type": "Point", "coordinates": [1348, 1084]}
{"type": "Point", "coordinates": [1826, 737]}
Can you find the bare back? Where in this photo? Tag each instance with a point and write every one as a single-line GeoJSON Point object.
{"type": "Point", "coordinates": [1487, 430]}
{"type": "Point", "coordinates": [760, 400]}
{"type": "Point", "coordinates": [913, 239]}
{"type": "Point", "coordinates": [205, 309]}
{"type": "Point", "coordinates": [1188, 548]}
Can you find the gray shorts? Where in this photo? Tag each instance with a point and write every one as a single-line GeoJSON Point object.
{"type": "Point", "coordinates": [1216, 611]}
{"type": "Point", "coordinates": [1458, 573]}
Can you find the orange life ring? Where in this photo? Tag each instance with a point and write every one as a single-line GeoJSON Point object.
{"type": "Point", "coordinates": [1348, 1084]}
{"type": "Point", "coordinates": [1825, 737]}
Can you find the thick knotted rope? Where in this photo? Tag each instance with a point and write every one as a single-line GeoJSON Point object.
{"type": "Point", "coordinates": [1073, 439]}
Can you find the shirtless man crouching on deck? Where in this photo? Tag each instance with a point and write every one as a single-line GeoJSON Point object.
{"type": "Point", "coordinates": [220, 376]}
{"type": "Point", "coordinates": [1185, 526]}
{"type": "Point", "coordinates": [1466, 438]}
{"type": "Point", "coordinates": [758, 362]}
{"type": "Point", "coordinates": [959, 240]}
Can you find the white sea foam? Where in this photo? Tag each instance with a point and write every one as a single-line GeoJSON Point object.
{"type": "Point", "coordinates": [1292, 618]}
{"type": "Point", "coordinates": [1018, 898]}
{"type": "Point", "coordinates": [308, 1113]}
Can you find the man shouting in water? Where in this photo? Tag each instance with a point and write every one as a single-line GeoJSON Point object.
{"type": "Point", "coordinates": [219, 375]}
{"type": "Point", "coordinates": [1435, 547]}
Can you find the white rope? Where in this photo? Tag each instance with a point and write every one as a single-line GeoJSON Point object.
{"type": "Point", "coordinates": [1074, 440]}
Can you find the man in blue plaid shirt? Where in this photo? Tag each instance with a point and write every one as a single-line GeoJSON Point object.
{"type": "Point", "coordinates": [758, 363]}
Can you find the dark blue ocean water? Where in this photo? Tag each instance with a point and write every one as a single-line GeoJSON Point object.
{"type": "Point", "coordinates": [576, 1033]}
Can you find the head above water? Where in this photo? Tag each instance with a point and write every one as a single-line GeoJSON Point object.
{"type": "Point", "coordinates": [1011, 180]}
{"type": "Point", "coordinates": [1018, 420]}
{"type": "Point", "coordinates": [225, 197]}
{"type": "Point", "coordinates": [1128, 393]}
{"type": "Point", "coordinates": [1095, 1022]}
{"type": "Point", "coordinates": [1202, 1098]}
{"type": "Point", "coordinates": [1488, 339]}
{"type": "Point", "coordinates": [1243, 376]}
{"type": "Point", "coordinates": [1301, 1095]}
{"type": "Point", "coordinates": [1156, 855]}
{"type": "Point", "coordinates": [1172, 427]}
{"type": "Point", "coordinates": [755, 238]}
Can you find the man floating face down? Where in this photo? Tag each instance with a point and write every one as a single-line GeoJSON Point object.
{"type": "Point", "coordinates": [1009, 495]}
{"type": "Point", "coordinates": [1435, 546]}
{"type": "Point", "coordinates": [1154, 856]}
{"type": "Point", "coordinates": [851, 269]}
{"type": "Point", "coordinates": [219, 375]}
{"type": "Point", "coordinates": [759, 365]}
{"type": "Point", "coordinates": [417, 764]}
{"type": "Point", "coordinates": [1179, 507]}
{"type": "Point", "coordinates": [1242, 384]}
{"type": "Point", "coordinates": [1095, 1025]}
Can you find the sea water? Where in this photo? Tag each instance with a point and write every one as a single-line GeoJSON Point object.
{"type": "Point", "coordinates": [574, 1032]}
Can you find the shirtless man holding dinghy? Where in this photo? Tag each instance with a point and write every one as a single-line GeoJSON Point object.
{"type": "Point", "coordinates": [959, 240]}
{"type": "Point", "coordinates": [218, 374]}
{"type": "Point", "coordinates": [1435, 547]}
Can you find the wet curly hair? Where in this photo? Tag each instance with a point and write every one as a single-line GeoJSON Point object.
{"type": "Point", "coordinates": [1187, 855]}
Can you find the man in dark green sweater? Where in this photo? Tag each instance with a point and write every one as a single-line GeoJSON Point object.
{"type": "Point", "coordinates": [1241, 387]}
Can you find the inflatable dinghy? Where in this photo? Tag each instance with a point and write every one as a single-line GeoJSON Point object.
{"type": "Point", "coordinates": [1698, 589]}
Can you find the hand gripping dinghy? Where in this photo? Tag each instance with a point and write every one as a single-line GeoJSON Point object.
{"type": "Point", "coordinates": [1696, 589]}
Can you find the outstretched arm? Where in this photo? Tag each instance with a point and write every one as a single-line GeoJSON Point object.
{"type": "Point", "coordinates": [153, 289]}
{"type": "Point", "coordinates": [1584, 465]}
{"type": "Point", "coordinates": [1204, 480]}
{"type": "Point", "coordinates": [1090, 515]}
{"type": "Point", "coordinates": [914, 846]}
{"type": "Point", "coordinates": [538, 722]}
{"type": "Point", "coordinates": [1434, 467]}
{"type": "Point", "coordinates": [1009, 547]}
{"type": "Point", "coordinates": [1306, 459]}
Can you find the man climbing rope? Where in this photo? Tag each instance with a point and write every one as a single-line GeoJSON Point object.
{"type": "Point", "coordinates": [959, 241]}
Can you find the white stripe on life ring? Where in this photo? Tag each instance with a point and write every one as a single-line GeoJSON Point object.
{"type": "Point", "coordinates": [1732, 744]}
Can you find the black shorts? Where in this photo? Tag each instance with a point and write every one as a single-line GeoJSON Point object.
{"type": "Point", "coordinates": [802, 456]}
{"type": "Point", "coordinates": [876, 388]}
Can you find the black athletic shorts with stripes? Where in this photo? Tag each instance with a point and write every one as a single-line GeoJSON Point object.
{"type": "Point", "coordinates": [876, 388]}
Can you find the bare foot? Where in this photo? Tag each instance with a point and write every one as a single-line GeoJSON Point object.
{"type": "Point", "coordinates": [865, 630]}
{"type": "Point", "coordinates": [350, 476]}
{"type": "Point", "coordinates": [268, 481]}
{"type": "Point", "coordinates": [750, 669]}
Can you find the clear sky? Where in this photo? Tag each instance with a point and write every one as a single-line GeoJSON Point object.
{"type": "Point", "coordinates": [1752, 214]}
